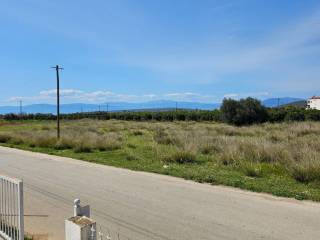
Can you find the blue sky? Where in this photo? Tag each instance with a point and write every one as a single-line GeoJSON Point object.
{"type": "Point", "coordinates": [141, 50]}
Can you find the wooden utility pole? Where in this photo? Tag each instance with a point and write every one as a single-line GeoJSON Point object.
{"type": "Point", "coordinates": [20, 106]}
{"type": "Point", "coordinates": [58, 99]}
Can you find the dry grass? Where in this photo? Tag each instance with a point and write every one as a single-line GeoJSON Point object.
{"type": "Point", "coordinates": [80, 138]}
{"type": "Point", "coordinates": [295, 147]}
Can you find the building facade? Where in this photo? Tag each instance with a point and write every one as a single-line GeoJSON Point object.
{"type": "Point", "coordinates": [313, 103]}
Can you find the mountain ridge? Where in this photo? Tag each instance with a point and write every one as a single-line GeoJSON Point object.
{"type": "Point", "coordinates": [122, 106]}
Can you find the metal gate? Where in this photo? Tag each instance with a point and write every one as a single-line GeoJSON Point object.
{"type": "Point", "coordinates": [11, 209]}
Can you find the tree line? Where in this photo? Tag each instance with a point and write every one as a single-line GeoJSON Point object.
{"type": "Point", "coordinates": [237, 112]}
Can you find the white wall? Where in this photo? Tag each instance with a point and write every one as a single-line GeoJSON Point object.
{"type": "Point", "coordinates": [314, 104]}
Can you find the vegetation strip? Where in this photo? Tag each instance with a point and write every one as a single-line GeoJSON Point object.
{"type": "Point", "coordinates": [277, 158]}
{"type": "Point", "coordinates": [243, 112]}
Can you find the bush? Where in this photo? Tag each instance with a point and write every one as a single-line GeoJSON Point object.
{"type": "Point", "coordinates": [312, 115]}
{"type": "Point", "coordinates": [45, 141]}
{"type": "Point", "coordinates": [107, 144]}
{"type": "Point", "coordinates": [82, 147]}
{"type": "Point", "coordinates": [295, 114]}
{"type": "Point", "coordinates": [162, 137]}
{"type": "Point", "coordinates": [137, 133]}
{"type": "Point", "coordinates": [305, 173]}
{"type": "Point", "coordinates": [181, 157]}
{"type": "Point", "coordinates": [62, 144]}
{"type": "Point", "coordinates": [4, 138]}
{"type": "Point", "coordinates": [244, 112]}
{"type": "Point", "coordinates": [131, 157]}
{"type": "Point", "coordinates": [306, 165]}
{"type": "Point", "coordinates": [210, 148]}
{"type": "Point", "coordinates": [251, 170]}
{"type": "Point", "coordinates": [17, 140]}
{"type": "Point", "coordinates": [277, 114]}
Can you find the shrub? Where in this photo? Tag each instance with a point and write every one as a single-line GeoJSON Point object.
{"type": "Point", "coordinates": [250, 169]}
{"type": "Point", "coordinates": [82, 146]}
{"type": "Point", "coordinates": [45, 141]}
{"type": "Point", "coordinates": [162, 137]}
{"type": "Point", "coordinates": [131, 145]}
{"type": "Point", "coordinates": [243, 112]}
{"type": "Point", "coordinates": [305, 172]}
{"type": "Point", "coordinates": [137, 133]}
{"type": "Point", "coordinates": [63, 143]}
{"type": "Point", "coordinates": [4, 138]}
{"type": "Point", "coordinates": [16, 140]}
{"type": "Point", "coordinates": [258, 150]}
{"type": "Point", "coordinates": [230, 155]}
{"type": "Point", "coordinates": [277, 114]}
{"type": "Point", "coordinates": [131, 157]}
{"type": "Point", "coordinates": [181, 157]}
{"type": "Point", "coordinates": [107, 142]}
{"type": "Point", "coordinates": [295, 114]}
{"type": "Point", "coordinates": [313, 115]}
{"type": "Point", "coordinates": [108, 145]}
{"type": "Point", "coordinates": [210, 148]}
{"type": "Point", "coordinates": [306, 165]}
{"type": "Point", "coordinates": [46, 128]}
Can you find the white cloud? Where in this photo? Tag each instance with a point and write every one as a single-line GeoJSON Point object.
{"type": "Point", "coordinates": [231, 95]}
{"type": "Point", "coordinates": [63, 93]}
{"type": "Point", "coordinates": [75, 95]}
{"type": "Point", "coordinates": [190, 96]}
{"type": "Point", "coordinates": [244, 95]}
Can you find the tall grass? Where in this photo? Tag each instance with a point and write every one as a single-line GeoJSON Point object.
{"type": "Point", "coordinates": [294, 147]}
{"type": "Point", "coordinates": [79, 138]}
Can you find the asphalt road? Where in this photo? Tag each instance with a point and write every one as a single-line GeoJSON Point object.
{"type": "Point", "coordinates": [144, 206]}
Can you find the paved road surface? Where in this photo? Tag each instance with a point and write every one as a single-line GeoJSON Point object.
{"type": "Point", "coordinates": [143, 206]}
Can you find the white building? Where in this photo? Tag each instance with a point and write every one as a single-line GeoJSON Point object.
{"type": "Point", "coordinates": [313, 103]}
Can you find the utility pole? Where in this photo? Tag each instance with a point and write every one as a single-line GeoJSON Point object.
{"type": "Point", "coordinates": [58, 99]}
{"type": "Point", "coordinates": [176, 106]}
{"type": "Point", "coordinates": [107, 114]}
{"type": "Point", "coordinates": [20, 107]}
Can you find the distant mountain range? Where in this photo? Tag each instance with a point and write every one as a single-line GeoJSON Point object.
{"type": "Point", "coordinates": [122, 106]}
{"type": "Point", "coordinates": [299, 104]}
{"type": "Point", "coordinates": [274, 102]}
{"type": "Point", "coordinates": [113, 106]}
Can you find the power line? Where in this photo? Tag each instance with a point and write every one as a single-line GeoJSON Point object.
{"type": "Point", "coordinates": [57, 68]}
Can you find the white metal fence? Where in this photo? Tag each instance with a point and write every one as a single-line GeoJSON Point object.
{"type": "Point", "coordinates": [11, 209]}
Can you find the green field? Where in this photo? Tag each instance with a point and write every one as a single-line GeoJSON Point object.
{"type": "Point", "coordinates": [282, 159]}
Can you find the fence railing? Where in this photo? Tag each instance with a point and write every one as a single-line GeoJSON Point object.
{"type": "Point", "coordinates": [11, 209]}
